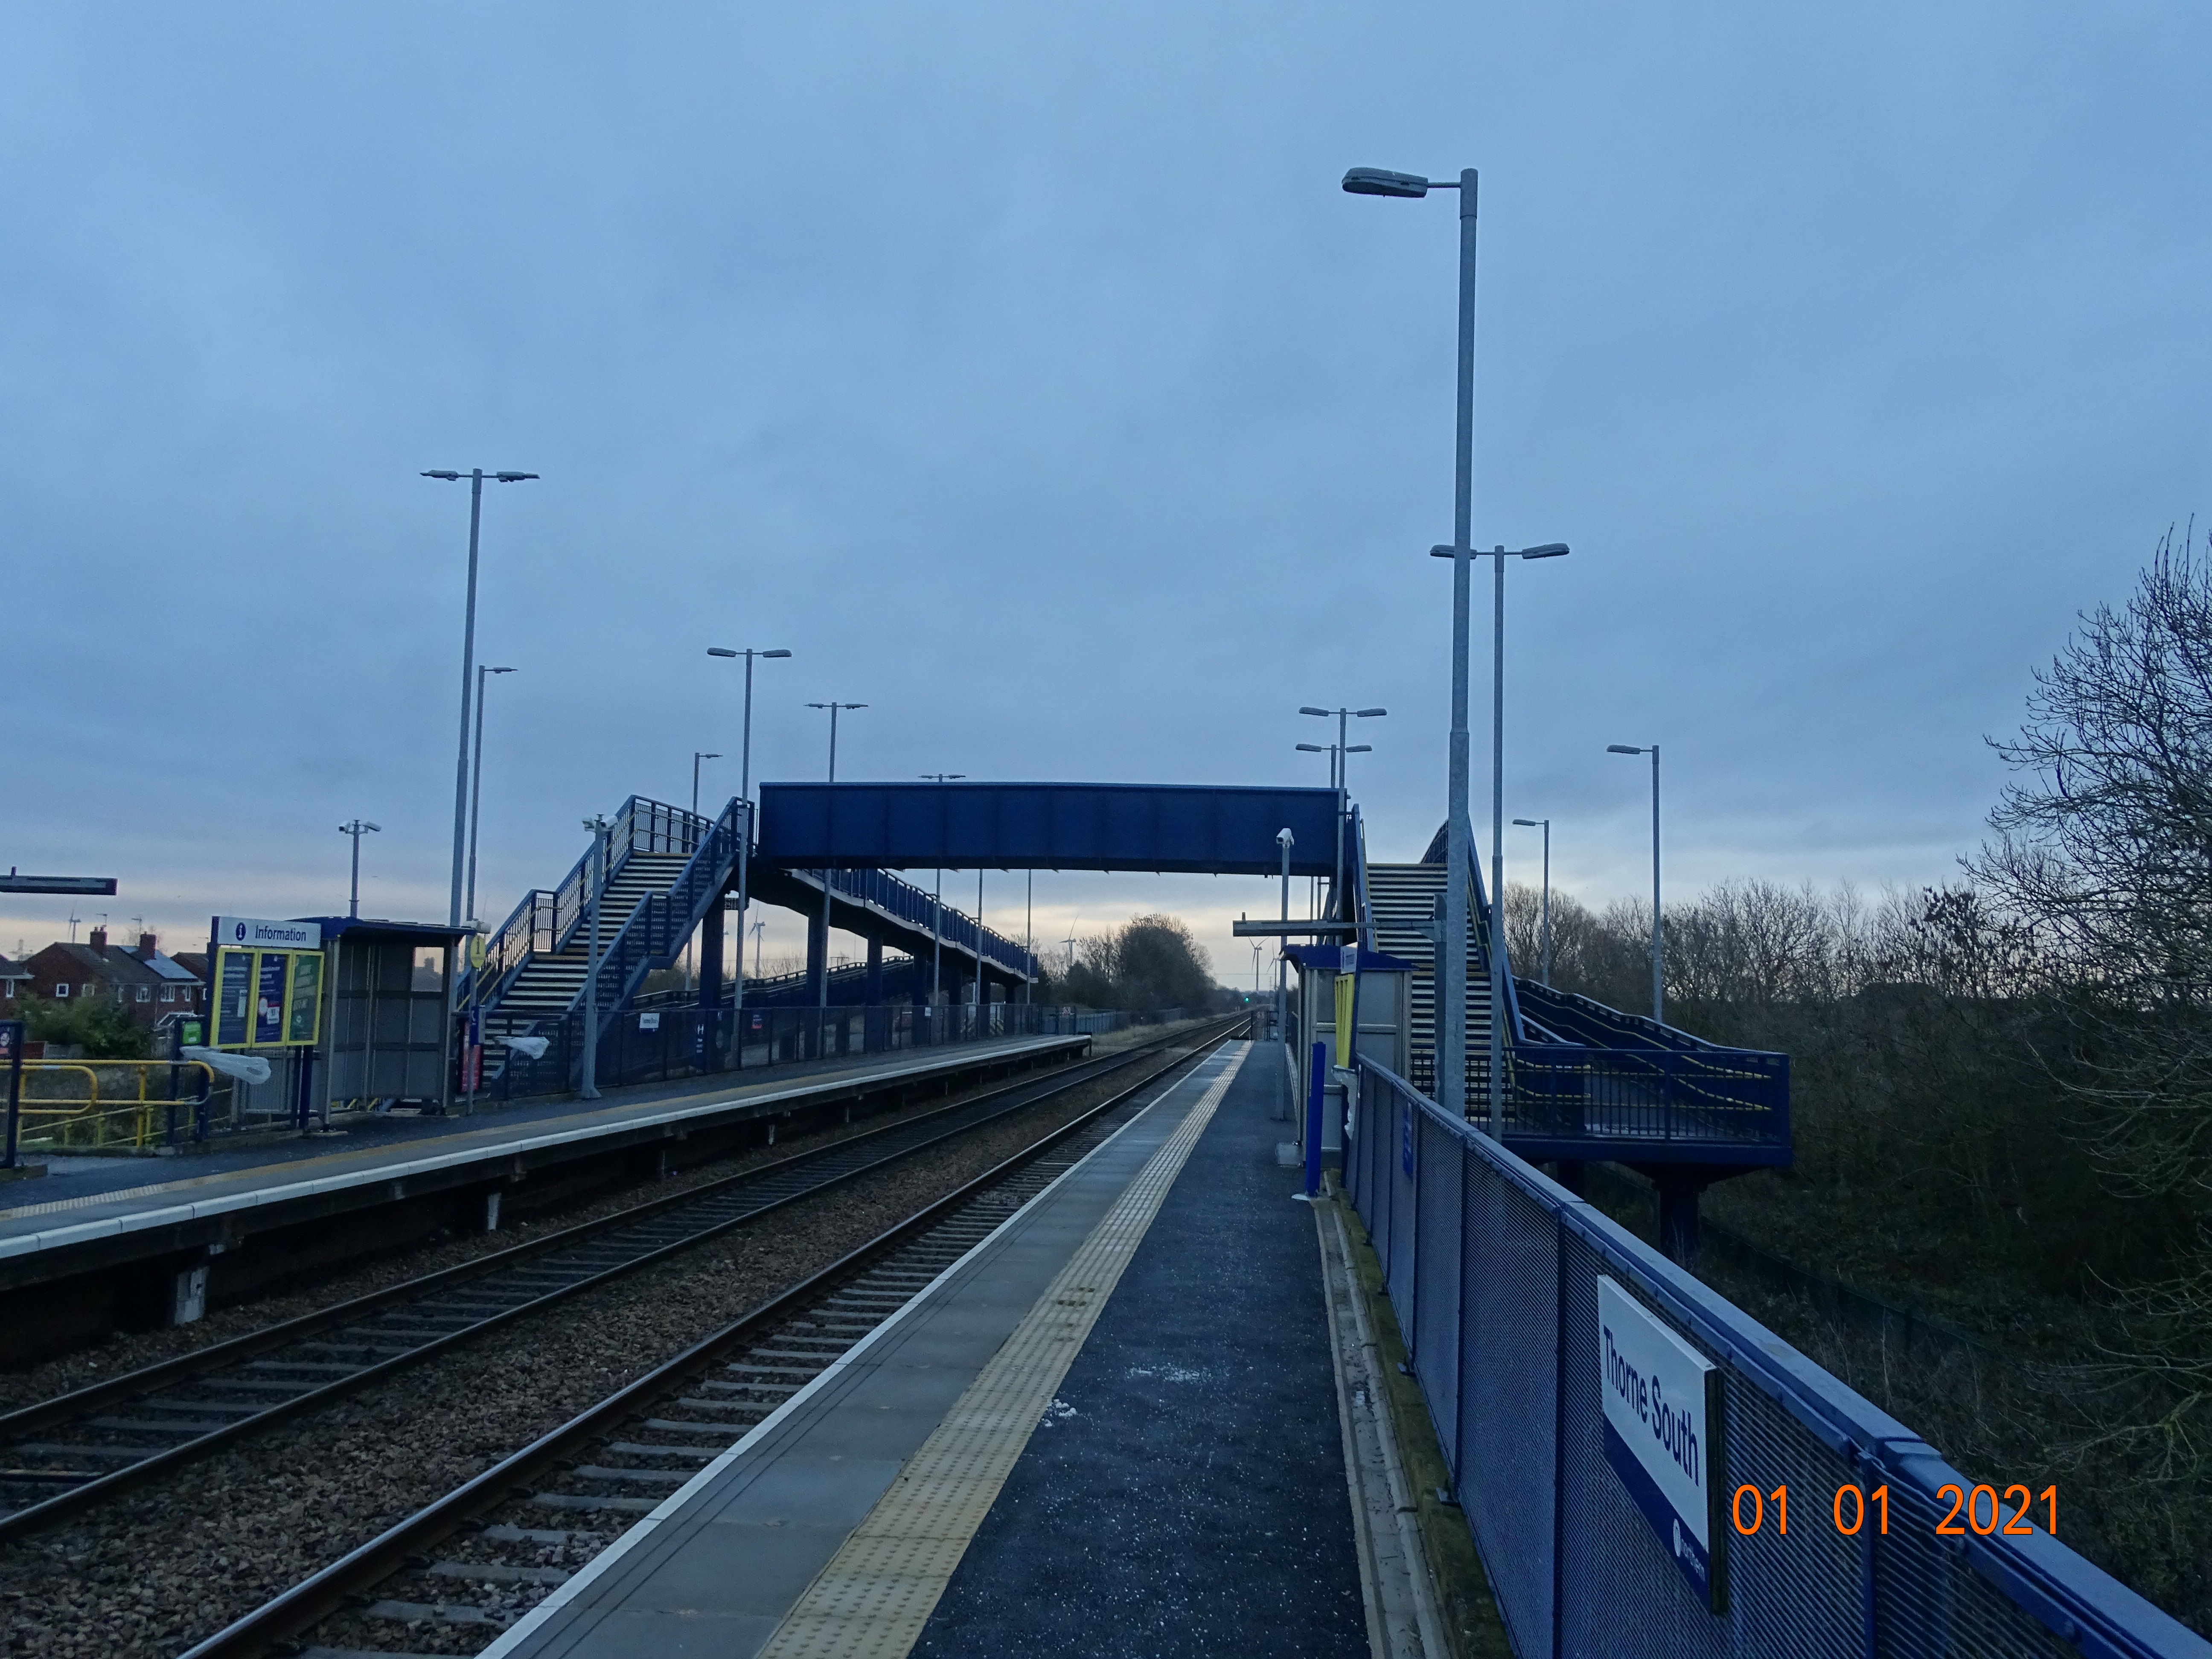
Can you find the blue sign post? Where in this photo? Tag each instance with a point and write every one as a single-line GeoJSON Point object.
{"type": "Point", "coordinates": [1316, 1093]}
{"type": "Point", "coordinates": [11, 1055]}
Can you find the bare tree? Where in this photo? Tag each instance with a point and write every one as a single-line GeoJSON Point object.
{"type": "Point", "coordinates": [2103, 849]}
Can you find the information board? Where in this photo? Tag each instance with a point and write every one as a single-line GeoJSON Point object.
{"type": "Point", "coordinates": [267, 999]}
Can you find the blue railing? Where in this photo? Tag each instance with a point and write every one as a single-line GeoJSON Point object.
{"type": "Point", "coordinates": [905, 903]}
{"type": "Point", "coordinates": [546, 918]}
{"type": "Point", "coordinates": [1493, 1271]}
{"type": "Point", "coordinates": [1732, 1096]}
{"type": "Point", "coordinates": [656, 931]}
{"type": "Point", "coordinates": [1572, 1017]}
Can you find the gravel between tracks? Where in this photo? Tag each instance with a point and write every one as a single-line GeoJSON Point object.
{"type": "Point", "coordinates": [162, 1568]}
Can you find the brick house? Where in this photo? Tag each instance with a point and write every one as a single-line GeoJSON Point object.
{"type": "Point", "coordinates": [13, 976]}
{"type": "Point", "coordinates": [145, 983]}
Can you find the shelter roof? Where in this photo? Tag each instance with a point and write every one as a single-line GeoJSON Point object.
{"type": "Point", "coordinates": [426, 932]}
{"type": "Point", "coordinates": [1325, 958]}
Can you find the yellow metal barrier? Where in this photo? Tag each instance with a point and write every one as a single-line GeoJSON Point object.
{"type": "Point", "coordinates": [69, 1117]}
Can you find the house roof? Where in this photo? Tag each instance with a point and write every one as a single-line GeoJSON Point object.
{"type": "Point", "coordinates": [13, 970]}
{"type": "Point", "coordinates": [115, 964]}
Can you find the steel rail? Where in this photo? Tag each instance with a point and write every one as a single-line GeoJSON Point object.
{"type": "Point", "coordinates": [186, 1368]}
{"type": "Point", "coordinates": [325, 1592]}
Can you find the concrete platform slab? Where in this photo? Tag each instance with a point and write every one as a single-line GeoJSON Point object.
{"type": "Point", "coordinates": [44, 1245]}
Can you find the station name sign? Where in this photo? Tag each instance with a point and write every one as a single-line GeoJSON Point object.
{"type": "Point", "coordinates": [1662, 1416]}
{"type": "Point", "coordinates": [252, 933]}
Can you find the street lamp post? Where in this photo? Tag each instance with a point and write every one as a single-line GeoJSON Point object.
{"type": "Point", "coordinates": [596, 876]}
{"type": "Point", "coordinates": [1286, 841]}
{"type": "Point", "coordinates": [357, 829]}
{"type": "Point", "coordinates": [745, 839]}
{"type": "Point", "coordinates": [828, 874]}
{"type": "Point", "coordinates": [1546, 824]}
{"type": "Point", "coordinates": [1658, 946]}
{"type": "Point", "coordinates": [476, 786]}
{"type": "Point", "coordinates": [476, 477]}
{"type": "Point", "coordinates": [1340, 779]}
{"type": "Point", "coordinates": [936, 902]}
{"type": "Point", "coordinates": [1451, 991]}
{"type": "Point", "coordinates": [697, 756]}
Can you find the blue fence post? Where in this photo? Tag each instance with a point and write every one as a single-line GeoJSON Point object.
{"type": "Point", "coordinates": [11, 1049]}
{"type": "Point", "coordinates": [1314, 1098]}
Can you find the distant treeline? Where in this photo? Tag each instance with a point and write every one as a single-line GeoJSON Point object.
{"type": "Point", "coordinates": [1149, 962]}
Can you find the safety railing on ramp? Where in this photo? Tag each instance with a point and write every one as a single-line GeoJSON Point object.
{"type": "Point", "coordinates": [1497, 1275]}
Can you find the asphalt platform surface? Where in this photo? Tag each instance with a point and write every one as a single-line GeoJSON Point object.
{"type": "Point", "coordinates": [1186, 1493]}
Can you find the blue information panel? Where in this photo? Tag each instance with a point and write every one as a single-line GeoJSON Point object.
{"type": "Point", "coordinates": [233, 999]}
{"type": "Point", "coordinates": [274, 970]}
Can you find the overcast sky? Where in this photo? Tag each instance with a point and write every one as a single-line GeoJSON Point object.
{"type": "Point", "coordinates": [1023, 370]}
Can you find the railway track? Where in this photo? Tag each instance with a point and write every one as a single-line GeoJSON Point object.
{"type": "Point", "coordinates": [452, 1577]}
{"type": "Point", "coordinates": [64, 1456]}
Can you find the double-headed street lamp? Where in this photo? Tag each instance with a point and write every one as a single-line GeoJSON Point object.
{"type": "Point", "coordinates": [745, 841]}
{"type": "Point", "coordinates": [1338, 768]}
{"type": "Point", "coordinates": [697, 756]}
{"type": "Point", "coordinates": [357, 829]}
{"type": "Point", "coordinates": [1546, 825]}
{"type": "Point", "coordinates": [829, 874]}
{"type": "Point", "coordinates": [1451, 990]}
{"type": "Point", "coordinates": [476, 477]}
{"type": "Point", "coordinates": [937, 901]}
{"type": "Point", "coordinates": [1658, 947]}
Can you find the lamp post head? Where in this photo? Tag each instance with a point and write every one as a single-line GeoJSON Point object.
{"type": "Point", "coordinates": [448, 476]}
{"type": "Point", "coordinates": [1359, 749]}
{"type": "Point", "coordinates": [1310, 709]}
{"type": "Point", "coordinates": [720, 651]}
{"type": "Point", "coordinates": [1532, 823]}
{"type": "Point", "coordinates": [775, 653]}
{"type": "Point", "coordinates": [496, 670]}
{"type": "Point", "coordinates": [1381, 181]}
{"type": "Point", "coordinates": [514, 478]}
{"type": "Point", "coordinates": [1368, 713]}
{"type": "Point", "coordinates": [1625, 749]}
{"type": "Point", "coordinates": [1316, 748]}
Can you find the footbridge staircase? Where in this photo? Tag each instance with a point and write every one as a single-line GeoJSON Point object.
{"type": "Point", "coordinates": [666, 869]}
{"type": "Point", "coordinates": [666, 872]}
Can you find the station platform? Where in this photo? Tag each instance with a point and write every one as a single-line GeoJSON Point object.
{"type": "Point", "coordinates": [51, 1237]}
{"type": "Point", "coordinates": [1118, 1425]}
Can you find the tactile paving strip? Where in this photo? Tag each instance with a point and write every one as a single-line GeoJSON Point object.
{"type": "Point", "coordinates": [877, 1592]}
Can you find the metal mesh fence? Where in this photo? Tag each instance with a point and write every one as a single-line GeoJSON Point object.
{"type": "Point", "coordinates": [1493, 1271]}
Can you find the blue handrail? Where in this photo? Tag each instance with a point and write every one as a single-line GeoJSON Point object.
{"type": "Point", "coordinates": [909, 904]}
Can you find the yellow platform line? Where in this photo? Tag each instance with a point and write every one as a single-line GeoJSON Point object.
{"type": "Point", "coordinates": [877, 1592]}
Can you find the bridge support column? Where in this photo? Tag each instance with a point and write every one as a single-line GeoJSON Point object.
{"type": "Point", "coordinates": [710, 986]}
{"type": "Point", "coordinates": [817, 955]}
{"type": "Point", "coordinates": [875, 973]}
{"type": "Point", "coordinates": [1573, 1175]}
{"type": "Point", "coordinates": [1679, 1185]}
